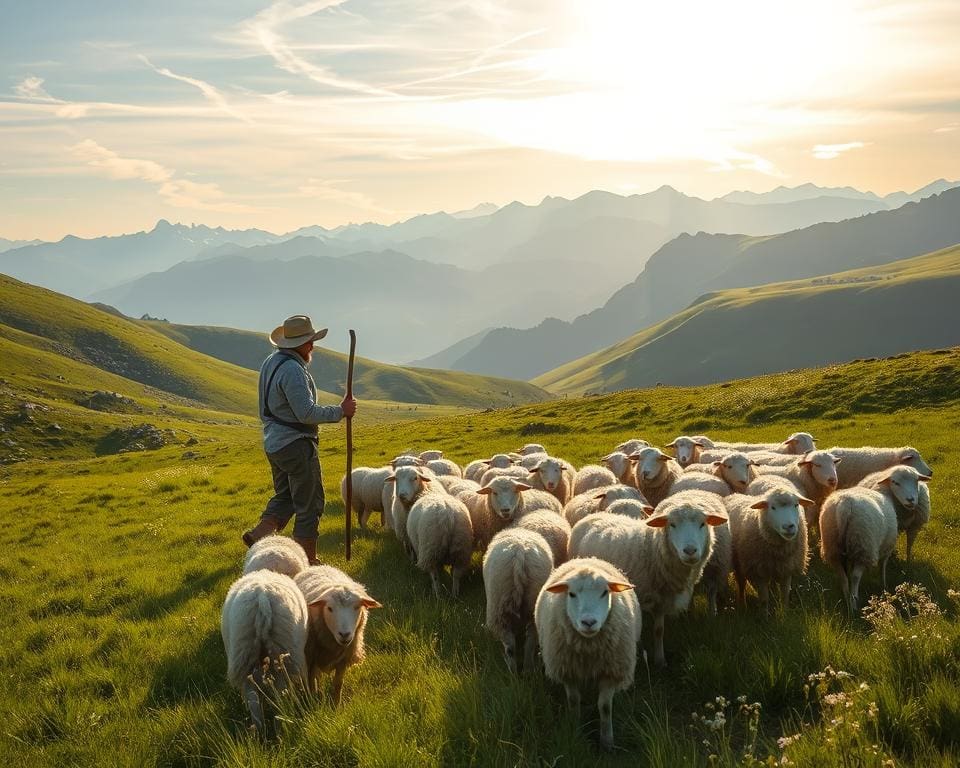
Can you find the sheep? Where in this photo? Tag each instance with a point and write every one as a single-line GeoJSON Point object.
{"type": "Point", "coordinates": [553, 527]}
{"type": "Point", "coordinates": [264, 616]}
{"type": "Point", "coordinates": [554, 476]}
{"type": "Point", "coordinates": [279, 554]}
{"type": "Point", "coordinates": [703, 441]}
{"type": "Point", "coordinates": [686, 449]}
{"type": "Point", "coordinates": [772, 459]}
{"type": "Point", "coordinates": [910, 497]}
{"type": "Point", "coordinates": [607, 496]}
{"type": "Point", "coordinates": [815, 476]}
{"type": "Point", "coordinates": [656, 473]}
{"type": "Point", "coordinates": [518, 472]}
{"type": "Point", "coordinates": [475, 469]}
{"type": "Point", "coordinates": [716, 573]}
{"type": "Point", "coordinates": [386, 495]}
{"type": "Point", "coordinates": [638, 510]}
{"type": "Point", "coordinates": [598, 500]}
{"type": "Point", "coordinates": [701, 481]}
{"type": "Point", "coordinates": [592, 476]}
{"type": "Point", "coordinates": [367, 492]}
{"type": "Point", "coordinates": [530, 448]}
{"type": "Point", "coordinates": [633, 445]}
{"type": "Point", "coordinates": [441, 534]}
{"type": "Point", "coordinates": [798, 444]}
{"type": "Point", "coordinates": [516, 565]}
{"type": "Point", "coordinates": [769, 540]}
{"type": "Point", "coordinates": [588, 622]}
{"type": "Point", "coordinates": [426, 456]}
{"type": "Point", "coordinates": [358, 475]}
{"type": "Point", "coordinates": [664, 555]}
{"type": "Point", "coordinates": [857, 463]}
{"type": "Point", "coordinates": [456, 486]}
{"type": "Point", "coordinates": [858, 529]}
{"type": "Point", "coordinates": [338, 608]}
{"type": "Point", "coordinates": [410, 483]}
{"type": "Point", "coordinates": [445, 467]}
{"type": "Point", "coordinates": [622, 467]}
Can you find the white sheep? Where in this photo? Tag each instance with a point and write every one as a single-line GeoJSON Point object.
{"type": "Point", "coordinates": [910, 496]}
{"type": "Point", "coordinates": [598, 500]}
{"type": "Point", "coordinates": [633, 445]}
{"type": "Point", "coordinates": [531, 448]}
{"type": "Point", "coordinates": [858, 530]}
{"type": "Point", "coordinates": [860, 462]}
{"type": "Point", "coordinates": [441, 535]}
{"type": "Point", "coordinates": [555, 476]}
{"type": "Point", "coordinates": [798, 444]}
{"type": "Point", "coordinates": [264, 616]}
{"type": "Point", "coordinates": [456, 486]}
{"type": "Point", "coordinates": [736, 469]}
{"type": "Point", "coordinates": [475, 469]}
{"type": "Point", "coordinates": [280, 554]}
{"type": "Point", "coordinates": [500, 502]}
{"type": "Point", "coordinates": [517, 472]}
{"type": "Point", "coordinates": [553, 527]}
{"type": "Point", "coordinates": [445, 467]}
{"type": "Point", "coordinates": [367, 491]}
{"type": "Point", "coordinates": [592, 476]}
{"type": "Point", "coordinates": [588, 622]}
{"type": "Point", "coordinates": [772, 459]}
{"type": "Point", "coordinates": [814, 474]}
{"type": "Point", "coordinates": [664, 555]}
{"type": "Point", "coordinates": [607, 496]}
{"type": "Point", "coordinates": [769, 541]}
{"type": "Point", "coordinates": [516, 565]}
{"type": "Point", "coordinates": [656, 473]}
{"type": "Point", "coordinates": [410, 483]}
{"type": "Point", "coordinates": [686, 449]}
{"type": "Point", "coordinates": [386, 495]}
{"type": "Point", "coordinates": [638, 510]}
{"type": "Point", "coordinates": [431, 455]}
{"type": "Point", "coordinates": [356, 502]}
{"type": "Point", "coordinates": [622, 467]}
{"type": "Point", "coordinates": [338, 608]}
{"type": "Point", "coordinates": [701, 481]}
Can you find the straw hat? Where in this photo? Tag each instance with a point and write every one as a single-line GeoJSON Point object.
{"type": "Point", "coordinates": [296, 330]}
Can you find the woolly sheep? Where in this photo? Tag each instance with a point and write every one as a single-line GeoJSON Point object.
{"type": "Point", "coordinates": [815, 476]}
{"type": "Point", "coordinates": [858, 530]}
{"type": "Point", "coordinates": [426, 456]}
{"type": "Point", "coordinates": [769, 541]}
{"type": "Point", "coordinates": [410, 483]}
{"type": "Point", "coordinates": [638, 510]}
{"type": "Point", "coordinates": [686, 450]}
{"type": "Point", "coordinates": [553, 527]}
{"type": "Point", "coordinates": [338, 608]}
{"type": "Point", "coordinates": [530, 448]}
{"type": "Point", "coordinates": [456, 486]}
{"type": "Point", "coordinates": [555, 477]}
{"type": "Point", "coordinates": [511, 499]}
{"type": "Point", "coordinates": [598, 500]}
{"type": "Point", "coordinates": [772, 459]}
{"type": "Point", "coordinates": [358, 475]}
{"type": "Point", "coordinates": [664, 555]}
{"type": "Point", "coordinates": [264, 616]}
{"type": "Point", "coordinates": [386, 495]}
{"type": "Point", "coordinates": [703, 441]}
{"type": "Point", "coordinates": [622, 467]}
{"type": "Point", "coordinates": [588, 622]}
{"type": "Point", "coordinates": [590, 477]}
{"type": "Point", "coordinates": [701, 481]}
{"type": "Point", "coordinates": [656, 473]}
{"type": "Point", "coordinates": [516, 565]}
{"type": "Point", "coordinates": [632, 446]}
{"type": "Point", "coordinates": [445, 467]}
{"type": "Point", "coordinates": [280, 554]}
{"type": "Point", "coordinates": [607, 496]}
{"type": "Point", "coordinates": [857, 463]}
{"type": "Point", "coordinates": [475, 469]}
{"type": "Point", "coordinates": [798, 444]}
{"type": "Point", "coordinates": [441, 534]}
{"type": "Point", "coordinates": [518, 472]}
{"type": "Point", "coordinates": [910, 497]}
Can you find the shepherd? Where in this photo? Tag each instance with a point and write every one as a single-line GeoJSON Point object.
{"type": "Point", "coordinates": [290, 415]}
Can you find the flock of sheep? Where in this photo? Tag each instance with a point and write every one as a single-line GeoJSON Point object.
{"type": "Point", "coordinates": [571, 558]}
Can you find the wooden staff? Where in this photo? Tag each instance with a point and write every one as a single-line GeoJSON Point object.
{"type": "Point", "coordinates": [349, 500]}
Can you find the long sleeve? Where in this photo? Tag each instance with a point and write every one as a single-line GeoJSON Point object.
{"type": "Point", "coordinates": [296, 384]}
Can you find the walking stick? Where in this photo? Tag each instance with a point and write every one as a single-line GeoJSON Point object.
{"type": "Point", "coordinates": [349, 500]}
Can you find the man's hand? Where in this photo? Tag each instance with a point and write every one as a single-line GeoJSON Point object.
{"type": "Point", "coordinates": [349, 406]}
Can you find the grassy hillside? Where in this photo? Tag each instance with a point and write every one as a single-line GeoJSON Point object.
{"type": "Point", "coordinates": [877, 311]}
{"type": "Point", "coordinates": [371, 380]}
{"type": "Point", "coordinates": [112, 654]}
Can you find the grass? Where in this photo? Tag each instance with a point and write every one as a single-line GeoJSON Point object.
{"type": "Point", "coordinates": [115, 567]}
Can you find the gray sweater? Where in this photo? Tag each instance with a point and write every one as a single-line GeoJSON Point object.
{"type": "Point", "coordinates": [292, 397]}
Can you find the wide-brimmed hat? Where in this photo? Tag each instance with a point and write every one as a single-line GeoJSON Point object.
{"type": "Point", "coordinates": [296, 330]}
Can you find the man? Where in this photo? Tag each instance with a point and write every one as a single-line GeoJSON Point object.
{"type": "Point", "coordinates": [290, 414]}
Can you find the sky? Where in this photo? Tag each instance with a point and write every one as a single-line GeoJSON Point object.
{"type": "Point", "coordinates": [277, 115]}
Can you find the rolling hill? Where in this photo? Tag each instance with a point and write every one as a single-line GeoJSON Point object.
{"type": "Point", "coordinates": [873, 312]}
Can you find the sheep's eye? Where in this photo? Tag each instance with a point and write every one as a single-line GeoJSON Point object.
{"type": "Point", "coordinates": [703, 525]}
{"type": "Point", "coordinates": [895, 482]}
{"type": "Point", "coordinates": [673, 525]}
{"type": "Point", "coordinates": [572, 594]}
{"type": "Point", "coordinates": [603, 594]}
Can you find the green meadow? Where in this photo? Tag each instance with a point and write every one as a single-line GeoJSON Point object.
{"type": "Point", "coordinates": [114, 568]}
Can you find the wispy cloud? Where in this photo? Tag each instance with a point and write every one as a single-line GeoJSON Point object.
{"type": "Point", "coordinates": [830, 151]}
{"type": "Point", "coordinates": [31, 88]}
{"type": "Point", "coordinates": [948, 128]}
{"type": "Point", "coordinates": [328, 191]}
{"type": "Point", "coordinates": [210, 92]}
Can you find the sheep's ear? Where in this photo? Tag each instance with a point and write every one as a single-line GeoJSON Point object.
{"type": "Point", "coordinates": [485, 491]}
{"type": "Point", "coordinates": [717, 464]}
{"type": "Point", "coordinates": [671, 444]}
{"type": "Point", "coordinates": [536, 468]}
{"type": "Point", "coordinates": [885, 480]}
{"type": "Point", "coordinates": [420, 462]}
{"type": "Point", "coordinates": [647, 510]}
{"type": "Point", "coordinates": [488, 462]}
{"type": "Point", "coordinates": [657, 521]}
{"type": "Point", "coordinates": [635, 456]}
{"type": "Point", "coordinates": [368, 602]}
{"type": "Point", "coordinates": [924, 478]}
{"type": "Point", "coordinates": [558, 588]}
{"type": "Point", "coordinates": [390, 479]}
{"type": "Point", "coordinates": [605, 458]}
{"type": "Point", "coordinates": [619, 586]}
{"type": "Point", "coordinates": [521, 486]}
{"type": "Point", "coordinates": [803, 501]}
{"type": "Point", "coordinates": [790, 441]}
{"type": "Point", "coordinates": [837, 460]}
{"type": "Point", "coordinates": [753, 463]}
{"type": "Point", "coordinates": [600, 496]}
{"type": "Point", "coordinates": [760, 505]}
{"type": "Point", "coordinates": [700, 443]}
{"type": "Point", "coordinates": [425, 478]}
{"type": "Point", "coordinates": [663, 457]}
{"type": "Point", "coordinates": [316, 607]}
{"type": "Point", "coordinates": [805, 461]}
{"type": "Point", "coordinates": [717, 519]}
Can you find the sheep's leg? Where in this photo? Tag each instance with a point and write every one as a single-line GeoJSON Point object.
{"type": "Point", "coordinates": [911, 537]}
{"type": "Point", "coordinates": [785, 585]}
{"type": "Point", "coordinates": [763, 590]}
{"type": "Point", "coordinates": [457, 573]}
{"type": "Point", "coordinates": [741, 590]}
{"type": "Point", "coordinates": [510, 651]}
{"type": "Point", "coordinates": [530, 647]}
{"type": "Point", "coordinates": [883, 572]}
{"type": "Point", "coordinates": [337, 689]}
{"type": "Point", "coordinates": [856, 573]}
{"type": "Point", "coordinates": [435, 578]}
{"type": "Point", "coordinates": [658, 656]}
{"type": "Point", "coordinates": [386, 519]}
{"type": "Point", "coordinates": [573, 699]}
{"type": "Point", "coordinates": [362, 514]}
{"type": "Point", "coordinates": [605, 705]}
{"type": "Point", "coordinates": [251, 697]}
{"type": "Point", "coordinates": [844, 584]}
{"type": "Point", "coordinates": [712, 598]}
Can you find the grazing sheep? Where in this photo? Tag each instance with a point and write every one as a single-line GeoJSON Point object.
{"type": "Point", "coordinates": [445, 467]}
{"type": "Point", "coordinates": [531, 448]}
{"type": "Point", "coordinates": [264, 616]}
{"type": "Point", "coordinates": [631, 446]}
{"type": "Point", "coordinates": [426, 456]}
{"type": "Point", "coordinates": [441, 534]}
{"type": "Point", "coordinates": [772, 459]}
{"type": "Point", "coordinates": [554, 476]}
{"type": "Point", "coordinates": [592, 476]}
{"type": "Point", "coordinates": [475, 469]}
{"type": "Point", "coordinates": [814, 475]}
{"type": "Point", "coordinates": [686, 449]}
{"type": "Point", "coordinates": [857, 463]}
{"type": "Point", "coordinates": [588, 622]}
{"type": "Point", "coordinates": [638, 510]}
{"type": "Point", "coordinates": [664, 555]}
{"type": "Point", "coordinates": [769, 541]}
{"type": "Point", "coordinates": [386, 495]}
{"type": "Point", "coordinates": [701, 481]}
{"type": "Point", "coordinates": [410, 483]}
{"type": "Point", "coordinates": [598, 500]}
{"type": "Point", "coordinates": [517, 564]}
{"type": "Point", "coordinates": [553, 527]}
{"type": "Point", "coordinates": [910, 497]}
{"type": "Point", "coordinates": [338, 608]}
{"type": "Point", "coordinates": [858, 529]}
{"type": "Point", "coordinates": [798, 444]}
{"type": "Point", "coordinates": [622, 467]}
{"type": "Point", "coordinates": [656, 473]}
{"type": "Point", "coordinates": [280, 554]}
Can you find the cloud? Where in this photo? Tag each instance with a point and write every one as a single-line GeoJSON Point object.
{"type": "Point", "coordinates": [948, 128]}
{"type": "Point", "coordinates": [31, 88]}
{"type": "Point", "coordinates": [210, 92]}
{"type": "Point", "coordinates": [324, 189]}
{"type": "Point", "coordinates": [181, 193]}
{"type": "Point", "coordinates": [830, 151]}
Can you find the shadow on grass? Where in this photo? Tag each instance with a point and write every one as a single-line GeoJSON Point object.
{"type": "Point", "coordinates": [196, 675]}
{"type": "Point", "coordinates": [192, 585]}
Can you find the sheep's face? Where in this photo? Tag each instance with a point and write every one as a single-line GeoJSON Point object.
{"type": "Point", "coordinates": [588, 598]}
{"type": "Point", "coordinates": [782, 513]}
{"type": "Point", "coordinates": [503, 496]}
{"type": "Point", "coordinates": [685, 450]}
{"type": "Point", "coordinates": [800, 443]}
{"type": "Point", "coordinates": [911, 457]}
{"type": "Point", "coordinates": [409, 482]}
{"type": "Point", "coordinates": [904, 483]}
{"type": "Point", "coordinates": [531, 448]}
{"type": "Point", "coordinates": [499, 461]}
{"type": "Point", "coordinates": [650, 464]}
{"type": "Point", "coordinates": [619, 463]}
{"type": "Point", "coordinates": [342, 609]}
{"type": "Point", "coordinates": [551, 473]}
{"type": "Point", "coordinates": [823, 467]}
{"type": "Point", "coordinates": [737, 470]}
{"type": "Point", "coordinates": [687, 528]}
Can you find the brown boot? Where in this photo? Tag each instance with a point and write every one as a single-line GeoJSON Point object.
{"type": "Point", "coordinates": [310, 547]}
{"type": "Point", "coordinates": [265, 527]}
